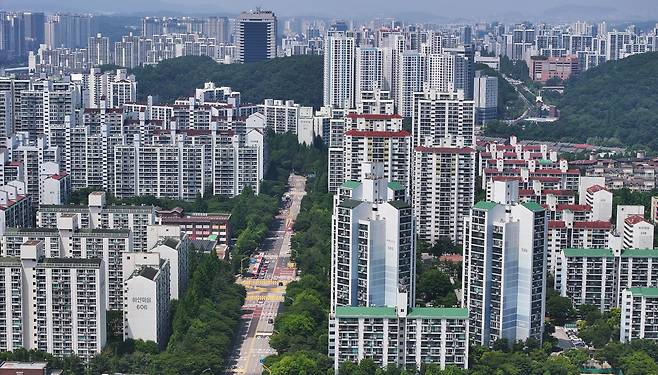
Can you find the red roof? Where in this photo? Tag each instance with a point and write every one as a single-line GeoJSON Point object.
{"type": "Point", "coordinates": [559, 192]}
{"type": "Point", "coordinates": [455, 258]}
{"type": "Point", "coordinates": [506, 178]}
{"type": "Point", "coordinates": [592, 225]}
{"type": "Point", "coordinates": [545, 179]}
{"type": "Point", "coordinates": [526, 193]}
{"type": "Point", "coordinates": [445, 150]}
{"type": "Point", "coordinates": [369, 116]}
{"type": "Point", "coordinates": [556, 171]}
{"type": "Point", "coordinates": [634, 219]}
{"type": "Point", "coordinates": [381, 134]}
{"type": "Point", "coordinates": [595, 188]}
{"type": "Point", "coordinates": [59, 176]}
{"type": "Point", "coordinates": [574, 207]}
{"type": "Point", "coordinates": [556, 224]}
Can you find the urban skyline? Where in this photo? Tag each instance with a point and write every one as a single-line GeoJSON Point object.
{"type": "Point", "coordinates": [328, 194]}
{"type": "Point", "coordinates": [419, 11]}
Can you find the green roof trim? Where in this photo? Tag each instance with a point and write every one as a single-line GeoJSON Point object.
{"type": "Point", "coordinates": [350, 184]}
{"type": "Point", "coordinates": [639, 253]}
{"type": "Point", "coordinates": [589, 253]}
{"type": "Point", "coordinates": [485, 205]}
{"type": "Point", "coordinates": [533, 206]}
{"type": "Point", "coordinates": [365, 312]}
{"type": "Point", "coordinates": [400, 204]}
{"type": "Point", "coordinates": [438, 312]}
{"type": "Point", "coordinates": [391, 312]}
{"type": "Point", "coordinates": [349, 203]}
{"type": "Point", "coordinates": [394, 185]}
{"type": "Point", "coordinates": [545, 161]}
{"type": "Point", "coordinates": [644, 292]}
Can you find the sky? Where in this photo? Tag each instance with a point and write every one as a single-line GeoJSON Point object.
{"type": "Point", "coordinates": [411, 10]}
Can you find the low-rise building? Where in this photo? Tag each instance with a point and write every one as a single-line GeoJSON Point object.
{"type": "Point", "coordinates": [198, 225]}
{"type": "Point", "coordinates": [393, 336]}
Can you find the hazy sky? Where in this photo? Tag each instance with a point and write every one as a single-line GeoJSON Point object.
{"type": "Point", "coordinates": [427, 9]}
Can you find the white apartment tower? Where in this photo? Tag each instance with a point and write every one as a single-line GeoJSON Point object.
{"type": "Point", "coordinates": [504, 275]}
{"type": "Point", "coordinates": [411, 75]}
{"type": "Point", "coordinates": [53, 304]}
{"type": "Point", "coordinates": [146, 309]}
{"type": "Point", "coordinates": [485, 97]}
{"type": "Point", "coordinates": [339, 69]}
{"type": "Point", "coordinates": [373, 246]}
{"type": "Point", "coordinates": [369, 71]}
{"type": "Point", "coordinates": [439, 116]}
{"type": "Point", "coordinates": [443, 186]}
{"type": "Point", "coordinates": [639, 314]}
{"type": "Point", "coordinates": [377, 139]}
{"type": "Point", "coordinates": [98, 50]}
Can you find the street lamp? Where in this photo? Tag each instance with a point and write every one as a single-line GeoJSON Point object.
{"type": "Point", "coordinates": [204, 371]}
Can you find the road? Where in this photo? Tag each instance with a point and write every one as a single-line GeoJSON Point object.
{"type": "Point", "coordinates": [530, 107]}
{"type": "Point", "coordinates": [264, 295]}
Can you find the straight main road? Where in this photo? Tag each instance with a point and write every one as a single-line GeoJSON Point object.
{"type": "Point", "coordinates": [265, 295]}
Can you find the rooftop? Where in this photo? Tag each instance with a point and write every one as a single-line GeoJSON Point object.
{"type": "Point", "coordinates": [400, 204]}
{"type": "Point", "coordinates": [644, 292]}
{"type": "Point", "coordinates": [394, 185]}
{"type": "Point", "coordinates": [358, 312]}
{"type": "Point", "coordinates": [438, 312]}
{"type": "Point", "coordinates": [533, 206]}
{"type": "Point", "coordinates": [593, 253]}
{"type": "Point", "coordinates": [390, 312]}
{"type": "Point", "coordinates": [639, 253]}
{"type": "Point", "coordinates": [349, 203]}
{"type": "Point", "coordinates": [485, 205]}
{"type": "Point", "coordinates": [350, 184]}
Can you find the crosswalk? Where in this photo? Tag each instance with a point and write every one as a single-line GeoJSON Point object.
{"type": "Point", "coordinates": [264, 298]}
{"type": "Point", "coordinates": [263, 282]}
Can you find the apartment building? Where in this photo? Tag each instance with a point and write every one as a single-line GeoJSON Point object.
{"type": "Point", "coordinates": [443, 191]}
{"type": "Point", "coordinates": [639, 314]}
{"type": "Point", "coordinates": [599, 276]}
{"type": "Point", "coordinates": [54, 304]}
{"type": "Point", "coordinates": [146, 308]}
{"type": "Point", "coordinates": [97, 214]}
{"type": "Point", "coordinates": [401, 337]}
{"type": "Point", "coordinates": [504, 268]}
{"type": "Point", "coordinates": [70, 240]}
{"type": "Point", "coordinates": [439, 116]}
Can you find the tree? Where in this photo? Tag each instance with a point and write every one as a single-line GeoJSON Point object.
{"type": "Point", "coordinates": [639, 363]}
{"type": "Point", "coordinates": [434, 287]}
{"type": "Point", "coordinates": [300, 363]}
{"type": "Point", "coordinates": [560, 309]}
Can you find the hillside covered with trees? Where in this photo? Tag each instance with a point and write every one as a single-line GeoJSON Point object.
{"type": "Point", "coordinates": [612, 104]}
{"type": "Point", "coordinates": [298, 78]}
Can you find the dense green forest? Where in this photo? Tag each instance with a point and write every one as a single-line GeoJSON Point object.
{"type": "Point", "coordinates": [612, 104]}
{"type": "Point", "coordinates": [298, 78]}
